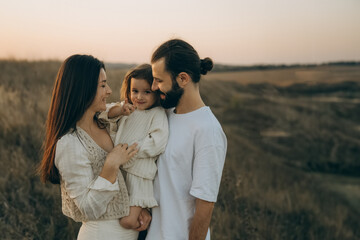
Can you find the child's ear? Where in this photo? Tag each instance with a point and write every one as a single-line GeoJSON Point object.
{"type": "Point", "coordinates": [183, 79]}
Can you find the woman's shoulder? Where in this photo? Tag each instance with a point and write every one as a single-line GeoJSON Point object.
{"type": "Point", "coordinates": [68, 147]}
{"type": "Point", "coordinates": [69, 140]}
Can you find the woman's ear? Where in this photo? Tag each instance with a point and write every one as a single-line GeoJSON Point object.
{"type": "Point", "coordinates": [183, 79]}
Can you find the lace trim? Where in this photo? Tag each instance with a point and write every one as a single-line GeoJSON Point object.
{"type": "Point", "coordinates": [90, 145]}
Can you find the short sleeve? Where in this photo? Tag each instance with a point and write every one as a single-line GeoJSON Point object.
{"type": "Point", "coordinates": [207, 172]}
{"type": "Point", "coordinates": [208, 164]}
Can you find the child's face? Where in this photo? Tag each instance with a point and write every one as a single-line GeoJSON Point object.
{"type": "Point", "coordinates": [140, 94]}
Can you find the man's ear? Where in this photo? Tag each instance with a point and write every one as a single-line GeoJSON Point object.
{"type": "Point", "coordinates": [183, 79]}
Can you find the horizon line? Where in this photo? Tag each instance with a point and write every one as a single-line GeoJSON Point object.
{"type": "Point", "coordinates": [356, 62]}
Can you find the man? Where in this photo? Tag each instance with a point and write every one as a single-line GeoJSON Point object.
{"type": "Point", "coordinates": [190, 169]}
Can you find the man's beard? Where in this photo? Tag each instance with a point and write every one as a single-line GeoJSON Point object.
{"type": "Point", "coordinates": [172, 97]}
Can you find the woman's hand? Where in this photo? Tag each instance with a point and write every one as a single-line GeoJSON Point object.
{"type": "Point", "coordinates": [144, 219]}
{"type": "Point", "coordinates": [118, 156]}
{"type": "Point", "coordinates": [122, 153]}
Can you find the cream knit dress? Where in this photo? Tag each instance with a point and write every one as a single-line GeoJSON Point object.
{"type": "Point", "coordinates": [148, 128]}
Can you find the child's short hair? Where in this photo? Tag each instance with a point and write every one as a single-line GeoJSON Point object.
{"type": "Point", "coordinates": [142, 71]}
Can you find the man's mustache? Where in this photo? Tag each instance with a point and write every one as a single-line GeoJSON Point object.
{"type": "Point", "coordinates": [158, 92]}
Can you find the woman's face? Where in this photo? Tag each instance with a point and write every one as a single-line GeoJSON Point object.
{"type": "Point", "coordinates": [102, 93]}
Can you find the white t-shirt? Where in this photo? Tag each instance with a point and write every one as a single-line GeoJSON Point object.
{"type": "Point", "coordinates": [190, 168]}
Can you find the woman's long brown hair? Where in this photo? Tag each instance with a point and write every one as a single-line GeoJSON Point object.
{"type": "Point", "coordinates": [74, 91]}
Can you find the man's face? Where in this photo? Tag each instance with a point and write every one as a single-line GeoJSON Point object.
{"type": "Point", "coordinates": [170, 91]}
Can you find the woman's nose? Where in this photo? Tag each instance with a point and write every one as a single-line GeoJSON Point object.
{"type": "Point", "coordinates": [109, 91]}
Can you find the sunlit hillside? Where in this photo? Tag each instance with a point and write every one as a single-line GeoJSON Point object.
{"type": "Point", "coordinates": [292, 169]}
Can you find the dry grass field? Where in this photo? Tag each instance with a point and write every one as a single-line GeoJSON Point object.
{"type": "Point", "coordinates": [292, 169]}
{"type": "Point", "coordinates": [290, 76]}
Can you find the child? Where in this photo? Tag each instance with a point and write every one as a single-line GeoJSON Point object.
{"type": "Point", "coordinates": [146, 124]}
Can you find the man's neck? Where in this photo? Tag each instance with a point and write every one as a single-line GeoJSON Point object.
{"type": "Point", "coordinates": [189, 101]}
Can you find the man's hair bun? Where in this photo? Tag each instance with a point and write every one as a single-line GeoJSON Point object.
{"type": "Point", "coordinates": [206, 65]}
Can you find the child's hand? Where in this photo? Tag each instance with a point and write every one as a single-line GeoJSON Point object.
{"type": "Point", "coordinates": [144, 219]}
{"type": "Point", "coordinates": [121, 109]}
{"type": "Point", "coordinates": [127, 108]}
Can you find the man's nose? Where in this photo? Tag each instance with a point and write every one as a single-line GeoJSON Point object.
{"type": "Point", "coordinates": [154, 86]}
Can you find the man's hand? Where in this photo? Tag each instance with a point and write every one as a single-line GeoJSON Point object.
{"type": "Point", "coordinates": [144, 219]}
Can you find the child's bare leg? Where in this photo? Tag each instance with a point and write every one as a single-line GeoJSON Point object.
{"type": "Point", "coordinates": [131, 221]}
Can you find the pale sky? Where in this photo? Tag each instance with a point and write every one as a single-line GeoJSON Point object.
{"type": "Point", "coordinates": [240, 32]}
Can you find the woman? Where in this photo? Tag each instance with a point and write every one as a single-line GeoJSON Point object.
{"type": "Point", "coordinates": [80, 155]}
